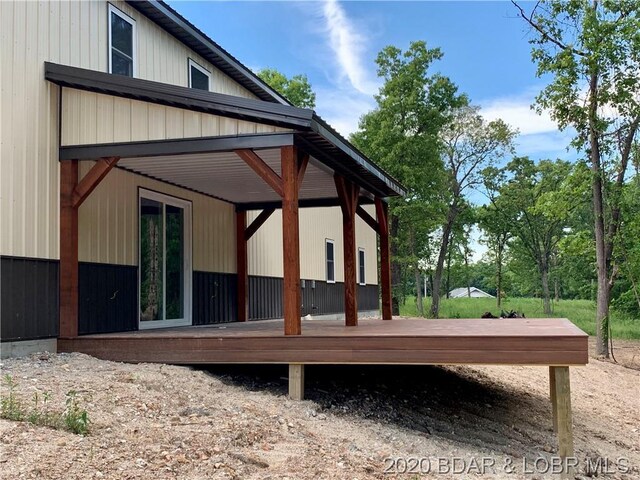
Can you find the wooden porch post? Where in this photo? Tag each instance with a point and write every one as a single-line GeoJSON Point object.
{"type": "Point", "coordinates": [72, 194]}
{"type": "Point", "coordinates": [290, 240]}
{"type": "Point", "coordinates": [382, 212]}
{"type": "Point", "coordinates": [348, 194]}
{"type": "Point", "coordinates": [241, 266]}
{"type": "Point", "coordinates": [68, 250]}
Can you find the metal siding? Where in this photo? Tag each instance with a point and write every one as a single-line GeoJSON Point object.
{"type": "Point", "coordinates": [89, 118]}
{"type": "Point", "coordinates": [107, 298]}
{"type": "Point", "coordinates": [265, 297]}
{"type": "Point", "coordinates": [108, 223]}
{"type": "Point", "coordinates": [28, 298]}
{"type": "Point", "coordinates": [316, 225]}
{"type": "Point", "coordinates": [70, 33]}
{"type": "Point", "coordinates": [214, 298]}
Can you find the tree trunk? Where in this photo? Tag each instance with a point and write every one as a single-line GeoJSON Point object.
{"type": "Point", "coordinates": [396, 271]}
{"type": "Point", "coordinates": [448, 283]}
{"type": "Point", "coordinates": [416, 271]}
{"type": "Point", "coordinates": [602, 302]}
{"type": "Point", "coordinates": [466, 271]}
{"type": "Point", "coordinates": [543, 269]}
{"type": "Point", "coordinates": [499, 277]}
{"type": "Point", "coordinates": [437, 276]}
{"type": "Point", "coordinates": [556, 290]}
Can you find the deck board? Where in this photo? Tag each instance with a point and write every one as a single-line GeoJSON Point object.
{"type": "Point", "coordinates": [546, 341]}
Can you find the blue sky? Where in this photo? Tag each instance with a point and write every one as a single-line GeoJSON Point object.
{"type": "Point", "coordinates": [335, 43]}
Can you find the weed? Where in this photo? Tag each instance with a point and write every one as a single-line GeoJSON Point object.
{"type": "Point", "coordinates": [74, 418]}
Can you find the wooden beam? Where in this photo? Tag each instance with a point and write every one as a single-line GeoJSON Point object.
{"type": "Point", "coordinates": [348, 194]}
{"type": "Point", "coordinates": [562, 403]}
{"type": "Point", "coordinates": [258, 222]}
{"type": "Point", "coordinates": [368, 219]}
{"type": "Point", "coordinates": [382, 212]}
{"type": "Point", "coordinates": [296, 381]}
{"type": "Point", "coordinates": [92, 179]}
{"type": "Point", "coordinates": [242, 269]}
{"type": "Point", "coordinates": [291, 241]}
{"type": "Point", "coordinates": [263, 170]}
{"type": "Point", "coordinates": [303, 162]}
{"type": "Point", "coordinates": [68, 307]}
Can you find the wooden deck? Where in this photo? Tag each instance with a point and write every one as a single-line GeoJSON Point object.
{"type": "Point", "coordinates": [554, 342]}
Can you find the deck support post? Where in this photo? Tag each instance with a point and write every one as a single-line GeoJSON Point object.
{"type": "Point", "coordinates": [560, 389]}
{"type": "Point", "coordinates": [242, 270]}
{"type": "Point", "coordinates": [68, 250]}
{"type": "Point", "coordinates": [382, 212]}
{"type": "Point", "coordinates": [291, 240]}
{"type": "Point", "coordinates": [296, 381]}
{"type": "Point", "coordinates": [348, 194]}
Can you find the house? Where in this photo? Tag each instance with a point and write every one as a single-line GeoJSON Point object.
{"type": "Point", "coordinates": [472, 292]}
{"type": "Point", "coordinates": [148, 179]}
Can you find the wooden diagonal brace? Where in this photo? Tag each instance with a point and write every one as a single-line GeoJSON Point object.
{"type": "Point", "coordinates": [92, 179]}
{"type": "Point", "coordinates": [258, 222]}
{"type": "Point", "coordinates": [303, 161]}
{"type": "Point", "coordinates": [263, 170]}
{"type": "Point", "coordinates": [369, 220]}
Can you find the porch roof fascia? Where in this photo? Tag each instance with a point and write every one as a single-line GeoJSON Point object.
{"type": "Point", "coordinates": [312, 132]}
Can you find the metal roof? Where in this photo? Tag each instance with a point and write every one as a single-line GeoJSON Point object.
{"type": "Point", "coordinates": [187, 33]}
{"type": "Point", "coordinates": [313, 134]}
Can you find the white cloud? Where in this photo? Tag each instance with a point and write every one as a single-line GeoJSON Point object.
{"type": "Point", "coordinates": [517, 112]}
{"type": "Point", "coordinates": [343, 109]}
{"type": "Point", "coordinates": [349, 45]}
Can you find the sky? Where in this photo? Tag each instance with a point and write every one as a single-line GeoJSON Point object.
{"type": "Point", "coordinates": [335, 43]}
{"type": "Point", "coordinates": [485, 46]}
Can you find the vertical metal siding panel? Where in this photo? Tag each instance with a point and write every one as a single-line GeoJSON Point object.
{"type": "Point", "coordinates": [121, 120]}
{"type": "Point", "coordinates": [140, 121]}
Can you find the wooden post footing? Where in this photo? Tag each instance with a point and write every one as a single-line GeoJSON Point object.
{"type": "Point", "coordinates": [296, 381]}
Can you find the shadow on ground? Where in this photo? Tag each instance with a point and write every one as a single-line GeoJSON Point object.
{"type": "Point", "coordinates": [454, 403]}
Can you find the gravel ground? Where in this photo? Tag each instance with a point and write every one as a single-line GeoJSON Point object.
{"type": "Point", "coordinates": [167, 422]}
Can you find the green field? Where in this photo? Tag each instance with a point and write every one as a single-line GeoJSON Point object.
{"type": "Point", "coordinates": [580, 312]}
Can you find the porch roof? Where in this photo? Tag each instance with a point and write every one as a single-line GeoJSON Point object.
{"type": "Point", "coordinates": [209, 165]}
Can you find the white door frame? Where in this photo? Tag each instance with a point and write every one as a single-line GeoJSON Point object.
{"type": "Point", "coordinates": [188, 274]}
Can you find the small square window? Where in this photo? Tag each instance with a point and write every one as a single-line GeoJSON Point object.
{"type": "Point", "coordinates": [122, 39]}
{"type": "Point", "coordinates": [331, 264]}
{"type": "Point", "coordinates": [199, 77]}
{"type": "Point", "coordinates": [361, 277]}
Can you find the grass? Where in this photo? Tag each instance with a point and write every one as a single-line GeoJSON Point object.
{"type": "Point", "coordinates": [580, 312]}
{"type": "Point", "coordinates": [13, 407]}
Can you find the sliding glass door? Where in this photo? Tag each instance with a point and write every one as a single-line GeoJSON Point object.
{"type": "Point", "coordinates": [164, 260]}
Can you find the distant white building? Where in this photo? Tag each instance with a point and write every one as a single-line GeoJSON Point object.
{"type": "Point", "coordinates": [472, 292]}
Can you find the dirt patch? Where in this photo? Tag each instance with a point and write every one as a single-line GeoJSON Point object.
{"type": "Point", "coordinates": [165, 422]}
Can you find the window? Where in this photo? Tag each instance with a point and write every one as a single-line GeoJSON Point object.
{"type": "Point", "coordinates": [164, 260]}
{"type": "Point", "coordinates": [361, 278]}
{"type": "Point", "coordinates": [199, 77]}
{"type": "Point", "coordinates": [331, 263]}
{"type": "Point", "coordinates": [122, 38]}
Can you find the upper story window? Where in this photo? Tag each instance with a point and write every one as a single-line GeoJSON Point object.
{"type": "Point", "coordinates": [331, 264]}
{"type": "Point", "coordinates": [199, 77]}
{"type": "Point", "coordinates": [122, 39]}
{"type": "Point", "coordinates": [361, 278]}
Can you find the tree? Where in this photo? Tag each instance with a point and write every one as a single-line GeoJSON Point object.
{"type": "Point", "coordinates": [535, 202]}
{"type": "Point", "coordinates": [591, 50]}
{"type": "Point", "coordinates": [296, 89]}
{"type": "Point", "coordinates": [402, 134]}
{"type": "Point", "coordinates": [468, 144]}
{"type": "Point", "coordinates": [497, 233]}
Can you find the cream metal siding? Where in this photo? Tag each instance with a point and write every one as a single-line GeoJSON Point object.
{"type": "Point", "coordinates": [316, 225]}
{"type": "Point", "coordinates": [89, 118]}
{"type": "Point", "coordinates": [70, 33]}
{"type": "Point", "coordinates": [108, 223]}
